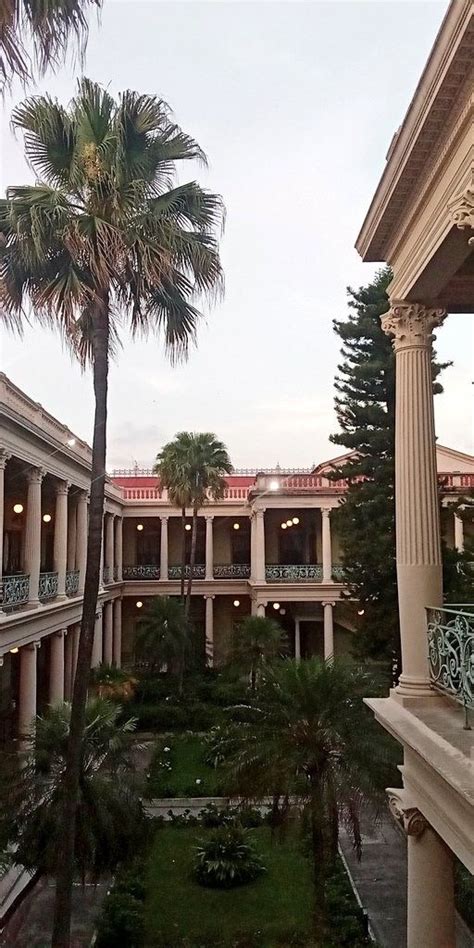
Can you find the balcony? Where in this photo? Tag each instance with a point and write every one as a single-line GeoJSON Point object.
{"type": "Point", "coordinates": [451, 654]}
{"type": "Point", "coordinates": [48, 586]}
{"type": "Point", "coordinates": [232, 571]}
{"type": "Point", "coordinates": [141, 572]}
{"type": "Point", "coordinates": [199, 572]}
{"type": "Point", "coordinates": [338, 574]}
{"type": "Point", "coordinates": [72, 582]}
{"type": "Point", "coordinates": [311, 573]}
{"type": "Point", "coordinates": [14, 590]}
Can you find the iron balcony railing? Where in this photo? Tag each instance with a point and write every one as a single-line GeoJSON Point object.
{"type": "Point", "coordinates": [72, 582]}
{"type": "Point", "coordinates": [199, 572]}
{"type": "Point", "coordinates": [106, 575]}
{"type": "Point", "coordinates": [48, 586]}
{"type": "Point", "coordinates": [14, 590]}
{"type": "Point", "coordinates": [116, 573]}
{"type": "Point", "coordinates": [451, 653]}
{"type": "Point", "coordinates": [141, 572]}
{"type": "Point", "coordinates": [338, 574]}
{"type": "Point", "coordinates": [312, 572]}
{"type": "Point", "coordinates": [232, 571]}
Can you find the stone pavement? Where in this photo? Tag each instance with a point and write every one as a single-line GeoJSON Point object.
{"type": "Point", "coordinates": [30, 926]}
{"type": "Point", "coordinates": [381, 880]}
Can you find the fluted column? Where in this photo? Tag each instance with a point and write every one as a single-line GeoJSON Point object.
{"type": "Point", "coordinates": [209, 630]}
{"type": "Point", "coordinates": [108, 633]}
{"type": "Point", "coordinates": [109, 546]}
{"type": "Point", "coordinates": [326, 543]}
{"type": "Point", "coordinates": [119, 547]}
{"type": "Point", "coordinates": [328, 631]}
{"type": "Point", "coordinates": [297, 641]}
{"type": "Point", "coordinates": [72, 536]}
{"type": "Point", "coordinates": [81, 540]}
{"type": "Point", "coordinates": [419, 569]}
{"type": "Point", "coordinates": [458, 533]}
{"type": "Point", "coordinates": [164, 549]}
{"type": "Point", "coordinates": [117, 647]}
{"type": "Point", "coordinates": [56, 668]}
{"type": "Point", "coordinates": [4, 457]}
{"type": "Point", "coordinates": [28, 686]}
{"type": "Point", "coordinates": [258, 546]}
{"type": "Point", "coordinates": [33, 533]}
{"type": "Point", "coordinates": [209, 546]}
{"type": "Point", "coordinates": [97, 644]}
{"type": "Point", "coordinates": [60, 537]}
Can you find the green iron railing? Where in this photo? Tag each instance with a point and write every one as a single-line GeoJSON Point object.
{"type": "Point", "coordinates": [451, 653]}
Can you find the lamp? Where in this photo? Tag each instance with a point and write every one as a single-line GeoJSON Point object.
{"type": "Point", "coordinates": [139, 526]}
{"type": "Point", "coordinates": [188, 526]}
{"type": "Point", "coordinates": [236, 603]}
{"type": "Point", "coordinates": [139, 604]}
{"type": "Point", "coordinates": [236, 526]}
{"type": "Point", "coordinates": [273, 485]}
{"type": "Point", "coordinates": [295, 520]}
{"type": "Point", "coordinates": [46, 518]}
{"type": "Point", "coordinates": [289, 523]}
{"type": "Point", "coordinates": [17, 508]}
{"type": "Point", "coordinates": [283, 526]}
{"type": "Point", "coordinates": [276, 605]}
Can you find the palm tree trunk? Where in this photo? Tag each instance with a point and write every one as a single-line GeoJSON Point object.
{"type": "Point", "coordinates": [192, 562]}
{"type": "Point", "coordinates": [65, 863]}
{"type": "Point", "coordinates": [183, 550]}
{"type": "Point", "coordinates": [319, 864]}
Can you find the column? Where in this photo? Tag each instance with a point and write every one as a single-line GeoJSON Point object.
{"type": "Point", "coordinates": [458, 533]}
{"type": "Point", "coordinates": [97, 644]}
{"type": "Point", "coordinates": [81, 539]}
{"type": "Point", "coordinates": [261, 606]}
{"type": "Point", "coordinates": [3, 460]}
{"type": "Point", "coordinates": [419, 569]}
{"type": "Point", "coordinates": [72, 537]}
{"type": "Point", "coordinates": [209, 630]}
{"type": "Point", "coordinates": [328, 631]}
{"type": "Point", "coordinates": [68, 660]}
{"type": "Point", "coordinates": [33, 534]}
{"type": "Point", "coordinates": [109, 547]}
{"type": "Point", "coordinates": [164, 549]}
{"type": "Point", "coordinates": [209, 547]}
{"type": "Point", "coordinates": [297, 641]}
{"type": "Point", "coordinates": [27, 693]}
{"type": "Point", "coordinates": [119, 547]}
{"type": "Point", "coordinates": [326, 543]}
{"type": "Point", "coordinates": [117, 647]}
{"type": "Point", "coordinates": [108, 633]}
{"type": "Point", "coordinates": [56, 668]}
{"type": "Point", "coordinates": [258, 546]}
{"type": "Point", "coordinates": [60, 537]}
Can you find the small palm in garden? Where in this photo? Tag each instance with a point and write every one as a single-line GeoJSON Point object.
{"type": "Point", "coordinates": [228, 858]}
{"type": "Point", "coordinates": [164, 636]}
{"type": "Point", "coordinates": [257, 640]}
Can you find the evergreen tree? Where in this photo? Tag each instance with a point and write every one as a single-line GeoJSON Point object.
{"type": "Point", "coordinates": [365, 409]}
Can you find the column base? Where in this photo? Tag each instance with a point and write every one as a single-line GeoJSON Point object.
{"type": "Point", "coordinates": [413, 686]}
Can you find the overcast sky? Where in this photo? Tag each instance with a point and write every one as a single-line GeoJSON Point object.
{"type": "Point", "coordinates": [296, 104]}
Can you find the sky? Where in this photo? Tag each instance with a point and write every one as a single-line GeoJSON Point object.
{"type": "Point", "coordinates": [295, 103]}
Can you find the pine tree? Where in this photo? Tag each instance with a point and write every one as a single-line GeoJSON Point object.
{"type": "Point", "coordinates": [365, 409]}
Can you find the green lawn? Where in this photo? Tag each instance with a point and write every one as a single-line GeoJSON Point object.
{"type": "Point", "coordinates": [278, 904]}
{"type": "Point", "coordinates": [188, 775]}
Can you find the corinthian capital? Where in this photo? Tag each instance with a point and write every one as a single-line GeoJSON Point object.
{"type": "Point", "coordinates": [461, 208]}
{"type": "Point", "coordinates": [411, 324]}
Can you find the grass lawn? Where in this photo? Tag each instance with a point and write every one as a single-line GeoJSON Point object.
{"type": "Point", "coordinates": [186, 766]}
{"type": "Point", "coordinates": [278, 904]}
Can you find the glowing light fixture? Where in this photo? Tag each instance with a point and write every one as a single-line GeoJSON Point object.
{"type": "Point", "coordinates": [13, 651]}
{"type": "Point", "coordinates": [71, 442]}
{"type": "Point", "coordinates": [295, 520]}
{"type": "Point", "coordinates": [360, 612]}
{"type": "Point", "coordinates": [188, 526]}
{"type": "Point", "coordinates": [236, 526]}
{"type": "Point", "coordinates": [283, 526]}
{"type": "Point", "coordinates": [46, 518]}
{"type": "Point", "coordinates": [17, 508]}
{"type": "Point", "coordinates": [139, 526]}
{"type": "Point", "coordinates": [236, 603]}
{"type": "Point", "coordinates": [274, 485]}
{"type": "Point", "coordinates": [139, 604]}
{"type": "Point", "coordinates": [276, 605]}
{"type": "Point", "coordinates": [289, 523]}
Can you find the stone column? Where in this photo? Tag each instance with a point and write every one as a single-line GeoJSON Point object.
{"type": "Point", "coordinates": [209, 631]}
{"type": "Point", "coordinates": [419, 568]}
{"type": "Point", "coordinates": [117, 647]}
{"type": "Point", "coordinates": [33, 534]}
{"type": "Point", "coordinates": [326, 543]}
{"type": "Point", "coordinates": [27, 692]}
{"type": "Point", "coordinates": [4, 457]}
{"type": "Point", "coordinates": [119, 547]}
{"type": "Point", "coordinates": [164, 550]}
{"type": "Point", "coordinates": [328, 631]}
{"type": "Point", "coordinates": [81, 540]}
{"type": "Point", "coordinates": [109, 546]}
{"type": "Point", "coordinates": [97, 644]}
{"type": "Point", "coordinates": [261, 609]}
{"type": "Point", "coordinates": [68, 660]}
{"type": "Point", "coordinates": [72, 537]}
{"type": "Point", "coordinates": [56, 668]}
{"type": "Point", "coordinates": [297, 641]}
{"type": "Point", "coordinates": [209, 547]}
{"type": "Point", "coordinates": [458, 533]}
{"type": "Point", "coordinates": [60, 537]}
{"type": "Point", "coordinates": [258, 550]}
{"type": "Point", "coordinates": [108, 633]}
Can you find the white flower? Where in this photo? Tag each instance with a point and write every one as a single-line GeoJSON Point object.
{"type": "Point", "coordinates": [166, 749]}
{"type": "Point", "coordinates": [198, 780]}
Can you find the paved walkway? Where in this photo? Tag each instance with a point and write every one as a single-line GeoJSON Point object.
{"type": "Point", "coordinates": [381, 880]}
{"type": "Point", "coordinates": [30, 925]}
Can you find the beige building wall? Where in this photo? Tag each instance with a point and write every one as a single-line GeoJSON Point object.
{"type": "Point", "coordinates": [223, 540]}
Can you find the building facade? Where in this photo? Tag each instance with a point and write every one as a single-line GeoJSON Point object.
{"type": "Point", "coordinates": [269, 547]}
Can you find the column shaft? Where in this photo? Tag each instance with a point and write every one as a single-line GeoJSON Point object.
{"type": "Point", "coordinates": [97, 645]}
{"type": "Point", "coordinates": [108, 633]}
{"type": "Point", "coordinates": [27, 695]}
{"type": "Point", "coordinates": [3, 460]}
{"type": "Point", "coordinates": [60, 537]}
{"type": "Point", "coordinates": [209, 548]}
{"type": "Point", "coordinates": [164, 549]}
{"type": "Point", "coordinates": [326, 544]}
{"type": "Point", "coordinates": [261, 609]}
{"type": "Point", "coordinates": [458, 533]}
{"type": "Point", "coordinates": [258, 567]}
{"type": "Point", "coordinates": [117, 647]}
{"type": "Point", "coordinates": [119, 547]}
{"type": "Point", "coordinates": [72, 537]}
{"type": "Point", "coordinates": [328, 631]}
{"type": "Point", "coordinates": [33, 534]}
{"type": "Point", "coordinates": [210, 631]}
{"type": "Point", "coordinates": [297, 641]}
{"type": "Point", "coordinates": [56, 668]}
{"type": "Point", "coordinates": [81, 540]}
{"type": "Point", "coordinates": [430, 893]}
{"type": "Point", "coordinates": [109, 546]}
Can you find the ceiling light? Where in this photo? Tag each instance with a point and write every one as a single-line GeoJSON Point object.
{"type": "Point", "coordinates": [17, 508]}
{"type": "Point", "coordinates": [236, 526]}
{"type": "Point", "coordinates": [283, 526]}
{"type": "Point", "coordinates": [139, 604]}
{"type": "Point", "coordinates": [46, 518]}
{"type": "Point", "coordinates": [274, 485]}
{"type": "Point", "coordinates": [276, 605]}
{"type": "Point", "coordinates": [188, 526]}
{"type": "Point", "coordinates": [289, 523]}
{"type": "Point", "coordinates": [71, 442]}
{"type": "Point", "coordinates": [13, 651]}
{"type": "Point", "coordinates": [360, 612]}
{"type": "Point", "coordinates": [295, 520]}
{"type": "Point", "coordinates": [236, 603]}
{"type": "Point", "coordinates": [139, 526]}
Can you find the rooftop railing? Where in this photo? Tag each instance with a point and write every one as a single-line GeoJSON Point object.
{"type": "Point", "coordinates": [451, 653]}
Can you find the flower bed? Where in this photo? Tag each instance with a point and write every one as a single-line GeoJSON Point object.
{"type": "Point", "coordinates": [178, 769]}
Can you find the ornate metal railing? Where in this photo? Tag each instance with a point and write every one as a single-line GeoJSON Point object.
{"type": "Point", "coordinates": [72, 582]}
{"type": "Point", "coordinates": [106, 575]}
{"type": "Point", "coordinates": [451, 654]}
{"type": "Point", "coordinates": [232, 571]}
{"type": "Point", "coordinates": [141, 572]}
{"type": "Point", "coordinates": [294, 574]}
{"type": "Point", "coordinates": [199, 572]}
{"type": "Point", "coordinates": [14, 590]}
{"type": "Point", "coordinates": [48, 586]}
{"type": "Point", "coordinates": [338, 574]}
{"type": "Point", "coordinates": [116, 574]}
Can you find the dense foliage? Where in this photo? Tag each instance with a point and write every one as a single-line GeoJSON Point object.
{"type": "Point", "coordinates": [227, 858]}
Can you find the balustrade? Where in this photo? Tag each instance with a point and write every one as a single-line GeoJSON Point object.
{"type": "Point", "coordinates": [232, 571]}
{"type": "Point", "coordinates": [106, 575]}
{"type": "Point", "coordinates": [141, 572]}
{"type": "Point", "coordinates": [338, 574]}
{"type": "Point", "coordinates": [72, 582]}
{"type": "Point", "coordinates": [304, 573]}
{"type": "Point", "coordinates": [14, 590]}
{"type": "Point", "coordinates": [48, 586]}
{"type": "Point", "coordinates": [199, 572]}
{"type": "Point", "coordinates": [451, 653]}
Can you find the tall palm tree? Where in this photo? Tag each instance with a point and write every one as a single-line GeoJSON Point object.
{"type": "Point", "coordinates": [110, 818]}
{"type": "Point", "coordinates": [103, 238]}
{"type": "Point", "coordinates": [46, 25]}
{"type": "Point", "coordinates": [256, 641]}
{"type": "Point", "coordinates": [170, 468]}
{"type": "Point", "coordinates": [163, 635]}
{"type": "Point", "coordinates": [310, 736]}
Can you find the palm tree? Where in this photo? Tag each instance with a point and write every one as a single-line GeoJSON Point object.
{"type": "Point", "coordinates": [170, 468]}
{"type": "Point", "coordinates": [47, 25]}
{"type": "Point", "coordinates": [163, 635]}
{"type": "Point", "coordinates": [102, 237]}
{"type": "Point", "coordinates": [310, 737]}
{"type": "Point", "coordinates": [257, 640]}
{"type": "Point", "coordinates": [110, 819]}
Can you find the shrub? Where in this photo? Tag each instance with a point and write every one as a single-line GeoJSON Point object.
{"type": "Point", "coordinates": [121, 922]}
{"type": "Point", "coordinates": [227, 859]}
{"type": "Point", "coordinates": [212, 816]}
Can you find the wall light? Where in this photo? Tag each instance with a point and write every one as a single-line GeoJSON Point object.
{"type": "Point", "coordinates": [17, 508]}
{"type": "Point", "coordinates": [236, 526]}
{"type": "Point", "coordinates": [236, 603]}
{"type": "Point", "coordinates": [289, 523]}
{"type": "Point", "coordinates": [360, 612]}
{"type": "Point", "coordinates": [295, 520]}
{"type": "Point", "coordinates": [276, 605]}
{"type": "Point", "coordinates": [283, 526]}
{"type": "Point", "coordinates": [71, 442]}
{"type": "Point", "coordinates": [188, 526]}
{"type": "Point", "coordinates": [139, 526]}
{"type": "Point", "coordinates": [13, 651]}
{"type": "Point", "coordinates": [139, 604]}
{"type": "Point", "coordinates": [46, 518]}
{"type": "Point", "coordinates": [274, 485]}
